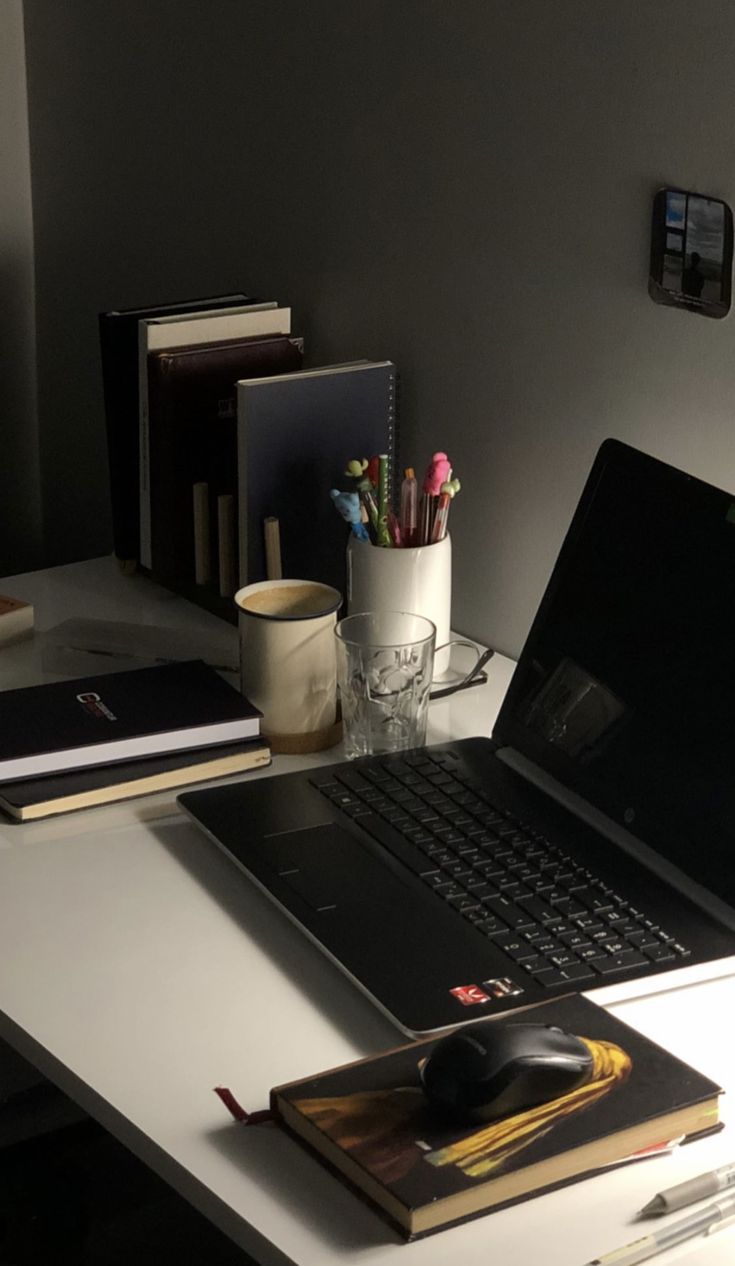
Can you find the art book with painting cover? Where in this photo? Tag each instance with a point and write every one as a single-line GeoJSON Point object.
{"type": "Point", "coordinates": [371, 1123]}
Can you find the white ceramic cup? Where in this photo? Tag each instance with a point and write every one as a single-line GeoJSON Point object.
{"type": "Point", "coordinates": [287, 660]}
{"type": "Point", "coordinates": [417, 579]}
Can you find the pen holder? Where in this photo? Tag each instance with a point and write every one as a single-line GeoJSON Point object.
{"type": "Point", "coordinates": [417, 580]}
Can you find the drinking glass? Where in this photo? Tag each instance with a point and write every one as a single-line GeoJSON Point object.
{"type": "Point", "coordinates": [385, 662]}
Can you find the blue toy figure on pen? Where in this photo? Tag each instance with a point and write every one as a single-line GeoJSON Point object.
{"type": "Point", "coordinates": [348, 505]}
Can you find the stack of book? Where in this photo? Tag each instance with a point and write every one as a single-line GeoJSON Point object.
{"type": "Point", "coordinates": [215, 429]}
{"type": "Point", "coordinates": [72, 744]}
{"type": "Point", "coordinates": [169, 375]}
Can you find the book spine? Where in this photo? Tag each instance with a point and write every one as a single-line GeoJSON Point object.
{"type": "Point", "coordinates": [144, 474]}
{"type": "Point", "coordinates": [227, 544]}
{"type": "Point", "coordinates": [118, 349]}
{"type": "Point", "coordinates": [202, 534]}
{"type": "Point", "coordinates": [243, 544]}
{"type": "Point", "coordinates": [272, 538]}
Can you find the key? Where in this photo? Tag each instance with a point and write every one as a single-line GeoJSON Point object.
{"type": "Point", "coordinates": [618, 962]}
{"type": "Point", "coordinates": [515, 946]}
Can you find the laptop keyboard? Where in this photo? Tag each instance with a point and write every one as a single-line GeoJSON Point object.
{"type": "Point", "coordinates": [554, 918]}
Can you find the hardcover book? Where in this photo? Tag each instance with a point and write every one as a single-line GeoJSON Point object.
{"type": "Point", "coordinates": [157, 333]}
{"type": "Point", "coordinates": [295, 434]}
{"type": "Point", "coordinates": [371, 1123]}
{"type": "Point", "coordinates": [118, 331]}
{"type": "Point", "coordinates": [193, 442]}
{"type": "Point", "coordinates": [33, 798]}
{"type": "Point", "coordinates": [119, 716]}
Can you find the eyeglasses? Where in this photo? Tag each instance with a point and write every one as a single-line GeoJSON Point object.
{"type": "Point", "coordinates": [475, 676]}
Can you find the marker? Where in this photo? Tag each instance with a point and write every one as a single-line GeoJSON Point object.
{"type": "Point", "coordinates": [704, 1222]}
{"type": "Point", "coordinates": [684, 1193]}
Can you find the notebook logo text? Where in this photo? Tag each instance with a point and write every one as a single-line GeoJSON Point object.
{"type": "Point", "coordinates": [94, 705]}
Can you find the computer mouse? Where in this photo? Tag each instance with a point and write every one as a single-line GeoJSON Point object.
{"type": "Point", "coordinates": [496, 1068]}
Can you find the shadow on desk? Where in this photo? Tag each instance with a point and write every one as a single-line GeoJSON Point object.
{"type": "Point", "coordinates": [76, 1197]}
{"type": "Point", "coordinates": [330, 993]}
{"type": "Point", "coordinates": [291, 1176]}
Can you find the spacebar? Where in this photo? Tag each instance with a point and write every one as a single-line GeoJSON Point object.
{"type": "Point", "coordinates": [387, 835]}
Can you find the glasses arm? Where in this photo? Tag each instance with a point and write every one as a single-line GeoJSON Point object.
{"type": "Point", "coordinates": [475, 677]}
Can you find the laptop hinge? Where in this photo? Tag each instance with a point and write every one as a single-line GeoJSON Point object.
{"type": "Point", "coordinates": [605, 826]}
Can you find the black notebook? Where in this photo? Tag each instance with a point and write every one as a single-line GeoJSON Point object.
{"type": "Point", "coordinates": [119, 716]}
{"type": "Point", "coordinates": [31, 798]}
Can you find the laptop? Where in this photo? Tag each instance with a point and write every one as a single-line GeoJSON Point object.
{"type": "Point", "coordinates": [589, 844]}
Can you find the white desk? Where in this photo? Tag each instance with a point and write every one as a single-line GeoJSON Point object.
{"type": "Point", "coordinates": [138, 970]}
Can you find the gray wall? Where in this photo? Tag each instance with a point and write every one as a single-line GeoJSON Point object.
{"type": "Point", "coordinates": [464, 187]}
{"type": "Point", "coordinates": [20, 499]}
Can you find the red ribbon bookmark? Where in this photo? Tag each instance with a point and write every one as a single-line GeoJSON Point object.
{"type": "Point", "coordinates": [238, 1112]}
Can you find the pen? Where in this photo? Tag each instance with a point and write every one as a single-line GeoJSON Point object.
{"type": "Point", "coordinates": [394, 529]}
{"type": "Point", "coordinates": [449, 490]}
{"type": "Point", "coordinates": [409, 508]}
{"type": "Point", "coordinates": [439, 528]}
{"type": "Point", "coordinates": [438, 470]}
{"type": "Point", "coordinates": [383, 533]}
{"type": "Point", "coordinates": [693, 1189]}
{"type": "Point", "coordinates": [704, 1222]}
{"type": "Point", "coordinates": [371, 509]}
{"type": "Point", "coordinates": [349, 506]}
{"type": "Point", "coordinates": [425, 519]}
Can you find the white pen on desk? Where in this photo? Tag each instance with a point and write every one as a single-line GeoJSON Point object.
{"type": "Point", "coordinates": [685, 1193]}
{"type": "Point", "coordinates": [704, 1222]}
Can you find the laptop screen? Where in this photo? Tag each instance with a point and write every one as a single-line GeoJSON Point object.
{"type": "Point", "coordinates": [625, 689]}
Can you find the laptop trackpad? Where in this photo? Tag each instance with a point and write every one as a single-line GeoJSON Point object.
{"type": "Point", "coordinates": [324, 865]}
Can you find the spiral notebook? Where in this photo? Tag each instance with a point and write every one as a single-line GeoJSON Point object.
{"type": "Point", "coordinates": [295, 434]}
